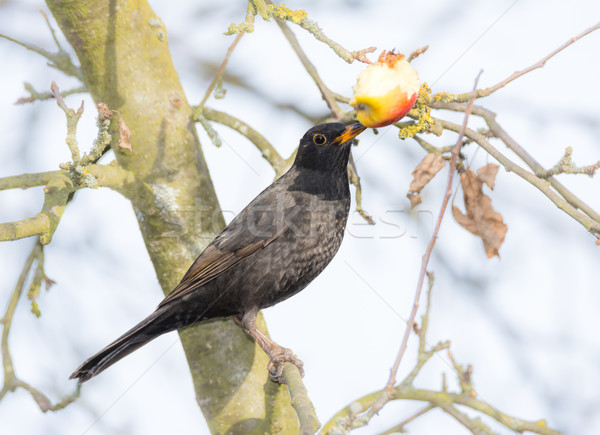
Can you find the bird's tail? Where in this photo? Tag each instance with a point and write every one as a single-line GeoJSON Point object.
{"type": "Point", "coordinates": [147, 330]}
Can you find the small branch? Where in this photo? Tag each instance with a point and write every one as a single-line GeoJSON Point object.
{"type": "Point", "coordinates": [281, 13]}
{"type": "Point", "coordinates": [328, 96]}
{"type": "Point", "coordinates": [41, 96]}
{"type": "Point", "coordinates": [417, 53]}
{"type": "Point", "coordinates": [267, 150]}
{"type": "Point", "coordinates": [221, 70]}
{"type": "Point", "coordinates": [422, 331]}
{"type": "Point", "coordinates": [432, 149]}
{"type": "Point", "coordinates": [590, 224]}
{"type": "Point", "coordinates": [11, 382]}
{"type": "Point", "coordinates": [309, 423]}
{"type": "Point", "coordinates": [349, 56]}
{"type": "Point", "coordinates": [355, 180]}
{"type": "Point", "coordinates": [25, 181]}
{"type": "Point", "coordinates": [500, 133]}
{"type": "Point", "coordinates": [339, 423]}
{"type": "Point", "coordinates": [52, 31]}
{"type": "Point", "coordinates": [425, 260]}
{"type": "Point", "coordinates": [461, 98]}
{"type": "Point", "coordinates": [56, 195]}
{"type": "Point", "coordinates": [248, 25]}
{"type": "Point", "coordinates": [475, 426]}
{"type": "Point", "coordinates": [72, 121]}
{"type": "Point", "coordinates": [59, 60]}
{"type": "Point", "coordinates": [399, 428]}
{"type": "Point", "coordinates": [43, 224]}
{"type": "Point", "coordinates": [566, 166]}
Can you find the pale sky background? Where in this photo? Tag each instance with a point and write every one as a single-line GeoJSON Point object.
{"type": "Point", "coordinates": [527, 323]}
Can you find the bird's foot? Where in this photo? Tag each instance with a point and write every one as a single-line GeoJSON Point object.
{"type": "Point", "coordinates": [279, 357]}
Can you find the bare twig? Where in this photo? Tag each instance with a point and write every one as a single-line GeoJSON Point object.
{"type": "Point", "coordinates": [566, 166]}
{"type": "Point", "coordinates": [221, 69]}
{"type": "Point", "coordinates": [476, 427]}
{"type": "Point", "coordinates": [461, 98]}
{"type": "Point", "coordinates": [61, 60]}
{"type": "Point", "coordinates": [349, 56]}
{"type": "Point", "coordinates": [41, 96]}
{"type": "Point", "coordinates": [328, 96]}
{"type": "Point", "coordinates": [431, 148]}
{"type": "Point", "coordinates": [399, 428]}
{"type": "Point", "coordinates": [417, 53]}
{"type": "Point", "coordinates": [267, 150]}
{"type": "Point", "coordinates": [72, 121]}
{"type": "Point", "coordinates": [589, 223]}
{"type": "Point", "coordinates": [355, 180]}
{"type": "Point", "coordinates": [281, 12]}
{"type": "Point", "coordinates": [338, 423]}
{"type": "Point", "coordinates": [11, 381]}
{"type": "Point", "coordinates": [513, 145]}
{"type": "Point", "coordinates": [425, 260]}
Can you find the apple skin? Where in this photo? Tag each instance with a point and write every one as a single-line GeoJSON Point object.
{"type": "Point", "coordinates": [385, 91]}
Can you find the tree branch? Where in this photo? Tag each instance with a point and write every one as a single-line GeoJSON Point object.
{"type": "Point", "coordinates": [41, 96]}
{"type": "Point", "coordinates": [59, 60]}
{"type": "Point", "coordinates": [427, 255]}
{"type": "Point", "coordinates": [268, 151]}
{"type": "Point", "coordinates": [309, 423]}
{"type": "Point", "coordinates": [26, 181]}
{"type": "Point", "coordinates": [590, 224]}
{"type": "Point", "coordinates": [566, 166]}
{"type": "Point", "coordinates": [281, 13]}
{"type": "Point", "coordinates": [355, 180]}
{"type": "Point", "coordinates": [461, 98]}
{"type": "Point", "coordinates": [327, 95]}
{"type": "Point", "coordinates": [11, 381]}
{"type": "Point", "coordinates": [500, 133]}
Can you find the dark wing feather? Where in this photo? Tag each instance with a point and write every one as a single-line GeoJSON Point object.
{"type": "Point", "coordinates": [211, 263]}
{"type": "Point", "coordinates": [238, 241]}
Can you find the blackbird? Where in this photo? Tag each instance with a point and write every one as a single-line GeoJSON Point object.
{"type": "Point", "coordinates": [270, 251]}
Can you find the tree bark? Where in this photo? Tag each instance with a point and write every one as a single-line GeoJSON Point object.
{"type": "Point", "coordinates": [124, 55]}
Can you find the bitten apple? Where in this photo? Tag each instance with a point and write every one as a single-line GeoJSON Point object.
{"type": "Point", "coordinates": [385, 91]}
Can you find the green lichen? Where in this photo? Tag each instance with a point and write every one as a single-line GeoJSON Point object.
{"type": "Point", "coordinates": [421, 111]}
{"type": "Point", "coordinates": [284, 13]}
{"type": "Point", "coordinates": [443, 97]}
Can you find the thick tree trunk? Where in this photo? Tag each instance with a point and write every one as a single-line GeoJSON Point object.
{"type": "Point", "coordinates": [123, 50]}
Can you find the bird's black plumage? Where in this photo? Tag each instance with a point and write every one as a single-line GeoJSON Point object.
{"type": "Point", "coordinates": [270, 251]}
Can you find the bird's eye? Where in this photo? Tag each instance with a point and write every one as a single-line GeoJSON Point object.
{"type": "Point", "coordinates": [319, 139]}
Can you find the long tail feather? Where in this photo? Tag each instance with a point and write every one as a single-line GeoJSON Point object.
{"type": "Point", "coordinates": [142, 333]}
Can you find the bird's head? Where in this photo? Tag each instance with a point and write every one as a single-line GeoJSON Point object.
{"type": "Point", "coordinates": [327, 146]}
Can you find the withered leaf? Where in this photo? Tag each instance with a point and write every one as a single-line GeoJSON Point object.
{"type": "Point", "coordinates": [124, 141]}
{"type": "Point", "coordinates": [423, 173]}
{"type": "Point", "coordinates": [487, 174]}
{"type": "Point", "coordinates": [480, 218]}
{"type": "Point", "coordinates": [103, 111]}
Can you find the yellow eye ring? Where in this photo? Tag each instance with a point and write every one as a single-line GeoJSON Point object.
{"type": "Point", "coordinates": [319, 139]}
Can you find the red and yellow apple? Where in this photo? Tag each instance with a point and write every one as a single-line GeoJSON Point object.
{"type": "Point", "coordinates": [385, 91]}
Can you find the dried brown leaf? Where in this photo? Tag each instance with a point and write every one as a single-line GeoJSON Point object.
{"type": "Point", "coordinates": [124, 141]}
{"type": "Point", "coordinates": [103, 111]}
{"type": "Point", "coordinates": [423, 173]}
{"type": "Point", "coordinates": [487, 174]}
{"type": "Point", "coordinates": [480, 218]}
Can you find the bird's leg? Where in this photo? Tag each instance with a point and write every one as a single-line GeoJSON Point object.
{"type": "Point", "coordinates": [277, 354]}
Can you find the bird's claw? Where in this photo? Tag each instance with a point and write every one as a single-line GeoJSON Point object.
{"type": "Point", "coordinates": [277, 361]}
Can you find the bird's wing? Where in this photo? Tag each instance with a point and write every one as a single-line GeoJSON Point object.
{"type": "Point", "coordinates": [252, 230]}
{"type": "Point", "coordinates": [211, 263]}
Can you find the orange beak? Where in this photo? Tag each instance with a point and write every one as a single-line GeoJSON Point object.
{"type": "Point", "coordinates": [350, 132]}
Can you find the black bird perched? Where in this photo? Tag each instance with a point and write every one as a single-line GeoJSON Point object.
{"type": "Point", "coordinates": [273, 249]}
